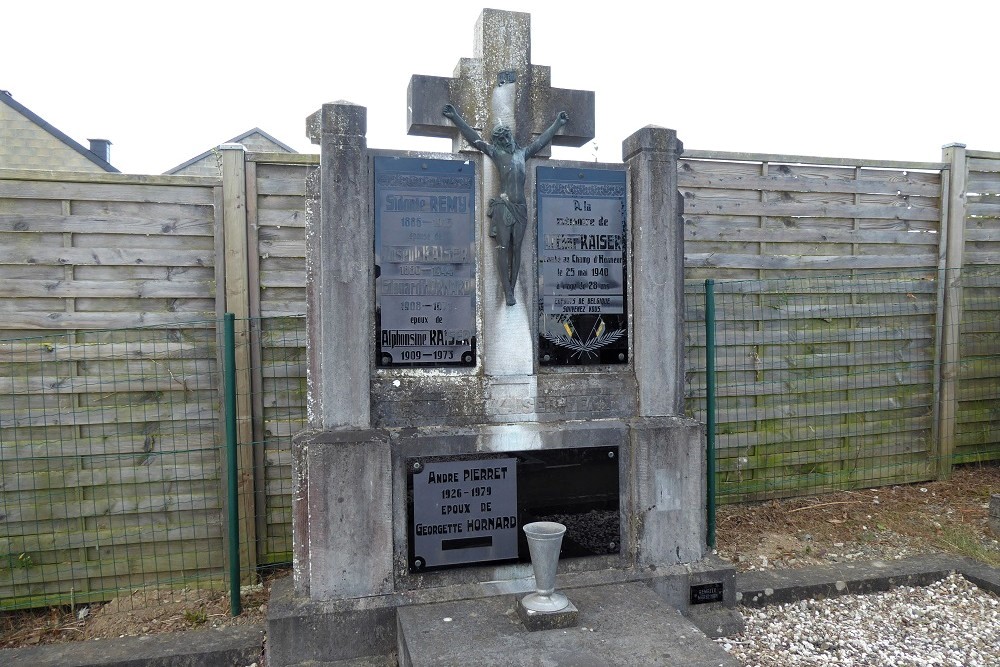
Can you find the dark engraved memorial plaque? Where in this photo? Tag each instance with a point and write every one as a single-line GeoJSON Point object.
{"type": "Point", "coordinates": [425, 263]}
{"type": "Point", "coordinates": [581, 266]}
{"type": "Point", "coordinates": [468, 509]}
{"type": "Point", "coordinates": [463, 512]}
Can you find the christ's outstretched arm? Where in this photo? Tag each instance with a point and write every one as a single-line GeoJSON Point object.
{"type": "Point", "coordinates": [470, 134]}
{"type": "Point", "coordinates": [546, 136]}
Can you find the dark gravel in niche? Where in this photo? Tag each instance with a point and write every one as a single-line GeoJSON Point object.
{"type": "Point", "coordinates": [592, 533]}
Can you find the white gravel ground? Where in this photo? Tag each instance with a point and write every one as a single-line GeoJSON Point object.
{"type": "Point", "coordinates": [948, 623]}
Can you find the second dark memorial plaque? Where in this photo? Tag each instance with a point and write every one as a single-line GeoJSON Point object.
{"type": "Point", "coordinates": [581, 266]}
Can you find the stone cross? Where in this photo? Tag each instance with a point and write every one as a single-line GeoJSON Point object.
{"type": "Point", "coordinates": [502, 44]}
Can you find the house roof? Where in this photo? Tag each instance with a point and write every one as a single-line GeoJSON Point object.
{"type": "Point", "coordinates": [8, 99]}
{"type": "Point", "coordinates": [235, 140]}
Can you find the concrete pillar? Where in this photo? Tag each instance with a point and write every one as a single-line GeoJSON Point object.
{"type": "Point", "coordinates": [339, 271]}
{"type": "Point", "coordinates": [651, 155]}
{"type": "Point", "coordinates": [668, 486]}
{"type": "Point", "coordinates": [343, 514]}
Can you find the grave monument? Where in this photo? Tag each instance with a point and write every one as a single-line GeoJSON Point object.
{"type": "Point", "coordinates": [464, 383]}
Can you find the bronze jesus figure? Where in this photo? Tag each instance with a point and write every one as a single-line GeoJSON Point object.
{"type": "Point", "coordinates": [508, 212]}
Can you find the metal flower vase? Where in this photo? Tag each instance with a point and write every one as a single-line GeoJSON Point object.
{"type": "Point", "coordinates": [544, 542]}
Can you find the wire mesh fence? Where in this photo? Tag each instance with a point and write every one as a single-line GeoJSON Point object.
{"type": "Point", "coordinates": [114, 473]}
{"type": "Point", "coordinates": [977, 417]}
{"type": "Point", "coordinates": [830, 383]}
{"type": "Point", "coordinates": [113, 466]}
{"type": "Point", "coordinates": [279, 388]}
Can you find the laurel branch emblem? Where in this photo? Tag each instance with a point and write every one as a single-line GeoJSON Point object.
{"type": "Point", "coordinates": [588, 347]}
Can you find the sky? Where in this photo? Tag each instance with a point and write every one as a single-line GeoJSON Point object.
{"type": "Point", "coordinates": [167, 81]}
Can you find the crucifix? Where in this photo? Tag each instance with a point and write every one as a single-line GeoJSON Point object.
{"type": "Point", "coordinates": [500, 90]}
{"type": "Point", "coordinates": [508, 212]}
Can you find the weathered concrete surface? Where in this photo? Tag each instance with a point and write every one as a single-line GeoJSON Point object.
{"type": "Point", "coordinates": [342, 513]}
{"type": "Point", "coordinates": [502, 42]}
{"type": "Point", "coordinates": [296, 626]}
{"type": "Point", "coordinates": [300, 630]}
{"type": "Point", "coordinates": [717, 623]}
{"type": "Point", "coordinates": [674, 583]}
{"type": "Point", "coordinates": [620, 624]}
{"type": "Point", "coordinates": [400, 401]}
{"type": "Point", "coordinates": [339, 270]}
{"type": "Point", "coordinates": [377, 661]}
{"type": "Point", "coordinates": [766, 587]}
{"type": "Point", "coordinates": [349, 484]}
{"type": "Point", "coordinates": [668, 478]}
{"type": "Point", "coordinates": [238, 646]}
{"type": "Point", "coordinates": [657, 269]}
{"type": "Point", "coordinates": [982, 575]}
{"type": "Point", "coordinates": [995, 514]}
{"type": "Point", "coordinates": [671, 582]}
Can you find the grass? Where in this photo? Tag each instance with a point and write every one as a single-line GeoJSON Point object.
{"type": "Point", "coordinates": [965, 542]}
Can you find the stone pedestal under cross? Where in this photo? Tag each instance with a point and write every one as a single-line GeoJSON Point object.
{"type": "Point", "coordinates": [502, 44]}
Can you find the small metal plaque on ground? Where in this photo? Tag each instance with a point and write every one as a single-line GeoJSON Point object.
{"type": "Point", "coordinates": [463, 512]}
{"type": "Point", "coordinates": [706, 593]}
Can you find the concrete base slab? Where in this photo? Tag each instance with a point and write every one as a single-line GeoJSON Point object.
{"type": "Point", "coordinates": [981, 574]}
{"type": "Point", "coordinates": [719, 622]}
{"type": "Point", "coordinates": [620, 624]}
{"type": "Point", "coordinates": [300, 630]}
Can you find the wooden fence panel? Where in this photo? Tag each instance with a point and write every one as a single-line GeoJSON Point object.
{"type": "Point", "coordinates": [109, 441]}
{"type": "Point", "coordinates": [826, 376]}
{"type": "Point", "coordinates": [278, 195]}
{"type": "Point", "coordinates": [109, 447]}
{"type": "Point", "coordinates": [977, 429]}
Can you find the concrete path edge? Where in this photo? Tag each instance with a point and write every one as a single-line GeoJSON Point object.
{"type": "Point", "coordinates": [760, 588]}
{"type": "Point", "coordinates": [241, 646]}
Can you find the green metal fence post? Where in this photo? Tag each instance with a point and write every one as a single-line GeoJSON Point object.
{"type": "Point", "coordinates": [710, 406]}
{"type": "Point", "coordinates": [229, 384]}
